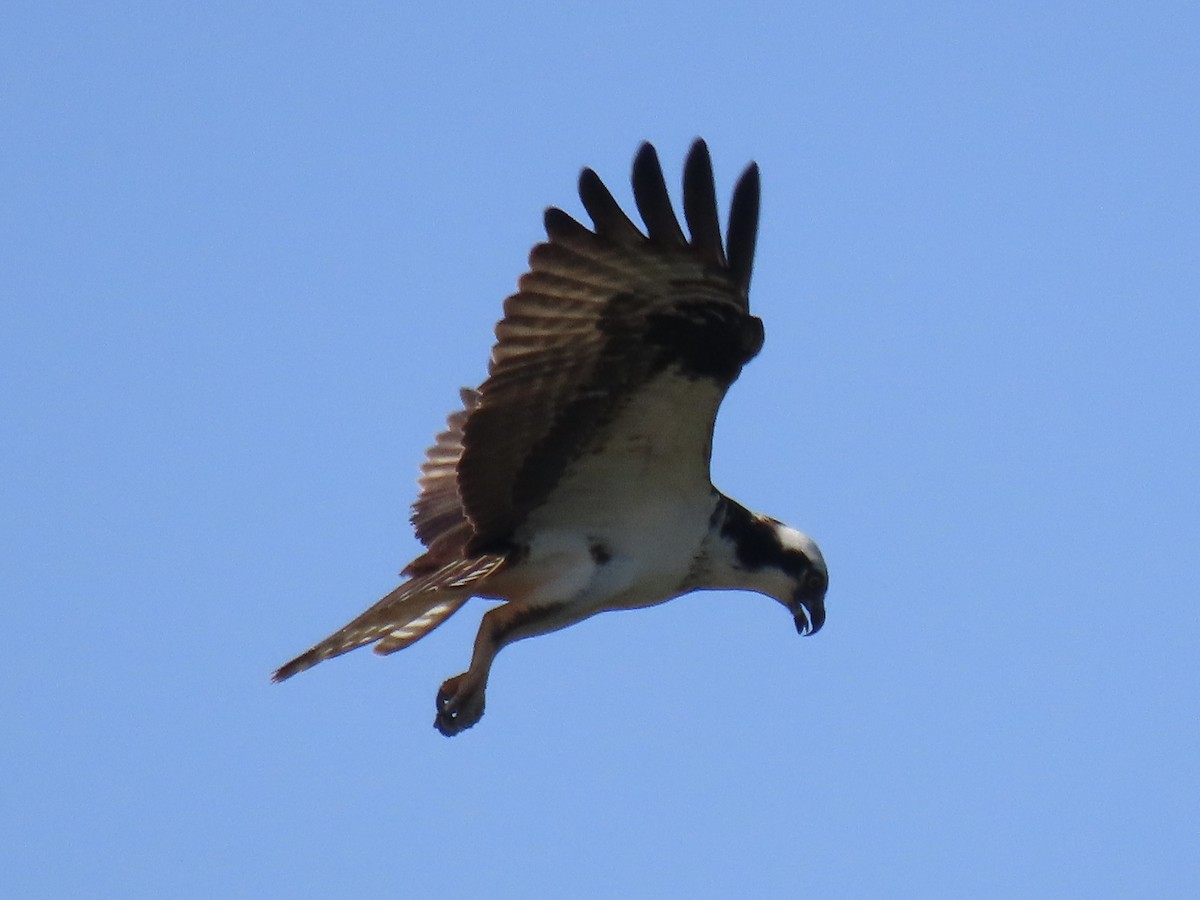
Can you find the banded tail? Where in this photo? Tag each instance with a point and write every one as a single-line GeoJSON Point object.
{"type": "Point", "coordinates": [404, 616]}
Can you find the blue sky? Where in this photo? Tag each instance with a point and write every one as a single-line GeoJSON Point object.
{"type": "Point", "coordinates": [249, 255]}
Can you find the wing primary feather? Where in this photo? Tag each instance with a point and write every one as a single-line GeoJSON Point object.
{"type": "Point", "coordinates": [700, 205]}
{"type": "Point", "coordinates": [606, 214]}
{"type": "Point", "coordinates": [743, 226]}
{"type": "Point", "coordinates": [561, 226]}
{"type": "Point", "coordinates": [653, 201]}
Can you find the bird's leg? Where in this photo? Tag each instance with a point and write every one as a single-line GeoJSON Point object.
{"type": "Point", "coordinates": [460, 700]}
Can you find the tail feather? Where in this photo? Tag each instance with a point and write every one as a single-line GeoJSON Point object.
{"type": "Point", "coordinates": [399, 638]}
{"type": "Point", "coordinates": [404, 616]}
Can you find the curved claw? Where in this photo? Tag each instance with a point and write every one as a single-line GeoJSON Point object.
{"type": "Point", "coordinates": [459, 706]}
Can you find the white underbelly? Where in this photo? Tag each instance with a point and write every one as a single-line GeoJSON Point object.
{"type": "Point", "coordinates": [619, 563]}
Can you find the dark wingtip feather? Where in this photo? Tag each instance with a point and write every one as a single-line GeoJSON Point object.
{"type": "Point", "coordinates": [606, 214]}
{"type": "Point", "coordinates": [700, 204]}
{"type": "Point", "coordinates": [561, 226]}
{"type": "Point", "coordinates": [743, 225]}
{"type": "Point", "coordinates": [653, 201]}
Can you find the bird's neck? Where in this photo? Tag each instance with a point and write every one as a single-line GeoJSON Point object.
{"type": "Point", "coordinates": [742, 550]}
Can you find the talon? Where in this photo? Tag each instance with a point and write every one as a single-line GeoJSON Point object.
{"type": "Point", "coordinates": [459, 706]}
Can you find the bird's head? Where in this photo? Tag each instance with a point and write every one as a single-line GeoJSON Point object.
{"type": "Point", "coordinates": [807, 579]}
{"type": "Point", "coordinates": [779, 561]}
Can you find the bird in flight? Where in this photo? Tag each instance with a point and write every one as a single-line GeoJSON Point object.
{"type": "Point", "coordinates": [575, 479]}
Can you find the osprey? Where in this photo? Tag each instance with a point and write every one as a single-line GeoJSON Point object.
{"type": "Point", "coordinates": [575, 479]}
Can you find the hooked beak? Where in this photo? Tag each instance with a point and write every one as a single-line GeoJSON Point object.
{"type": "Point", "coordinates": [810, 615]}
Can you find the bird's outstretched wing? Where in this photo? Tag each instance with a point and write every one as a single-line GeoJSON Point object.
{"type": "Point", "coordinates": [604, 315]}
